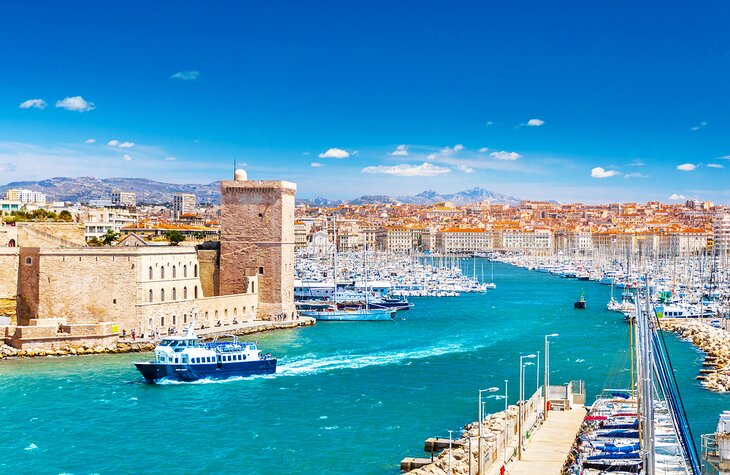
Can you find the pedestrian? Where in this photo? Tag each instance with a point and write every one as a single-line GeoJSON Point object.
{"type": "Point", "coordinates": [124, 333]}
{"type": "Point", "coordinates": [134, 334]}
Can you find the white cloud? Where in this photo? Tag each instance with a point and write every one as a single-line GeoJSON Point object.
{"type": "Point", "coordinates": [400, 151]}
{"type": "Point", "coordinates": [701, 125]}
{"type": "Point", "coordinates": [600, 172]}
{"type": "Point", "coordinates": [725, 157]}
{"type": "Point", "coordinates": [488, 123]}
{"type": "Point", "coordinates": [315, 165]}
{"type": "Point", "coordinates": [715, 165]}
{"type": "Point", "coordinates": [511, 156]}
{"type": "Point", "coordinates": [75, 103]}
{"type": "Point", "coordinates": [169, 159]}
{"type": "Point", "coordinates": [445, 152]}
{"type": "Point", "coordinates": [635, 175]}
{"type": "Point", "coordinates": [424, 169]}
{"type": "Point", "coordinates": [676, 197]}
{"type": "Point", "coordinates": [465, 168]}
{"type": "Point", "coordinates": [306, 153]}
{"type": "Point", "coordinates": [113, 143]}
{"type": "Point", "coordinates": [484, 150]}
{"type": "Point", "coordinates": [126, 145]}
{"type": "Point", "coordinates": [89, 140]}
{"type": "Point", "coordinates": [34, 103]}
{"type": "Point", "coordinates": [686, 167]}
{"type": "Point", "coordinates": [127, 157]}
{"type": "Point", "coordinates": [186, 75]}
{"type": "Point", "coordinates": [335, 153]}
{"type": "Point", "coordinates": [535, 122]}
{"type": "Point", "coordinates": [7, 167]}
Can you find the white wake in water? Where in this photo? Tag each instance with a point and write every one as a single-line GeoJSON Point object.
{"type": "Point", "coordinates": [310, 364]}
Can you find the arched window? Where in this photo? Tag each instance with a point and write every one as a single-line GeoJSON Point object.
{"type": "Point", "coordinates": [174, 272]}
{"type": "Point", "coordinates": [185, 293]}
{"type": "Point", "coordinates": [174, 318]}
{"type": "Point", "coordinates": [162, 295]}
{"type": "Point", "coordinates": [185, 271]}
{"type": "Point", "coordinates": [235, 312]}
{"type": "Point", "coordinates": [195, 292]}
{"type": "Point", "coordinates": [225, 313]}
{"type": "Point", "coordinates": [11, 243]}
{"type": "Point", "coordinates": [151, 297]}
{"type": "Point", "coordinates": [162, 272]}
{"type": "Point", "coordinates": [151, 273]}
{"type": "Point", "coordinates": [253, 287]}
{"type": "Point", "coordinates": [195, 270]}
{"type": "Point", "coordinates": [174, 293]}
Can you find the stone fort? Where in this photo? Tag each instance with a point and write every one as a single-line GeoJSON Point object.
{"type": "Point", "coordinates": [68, 294]}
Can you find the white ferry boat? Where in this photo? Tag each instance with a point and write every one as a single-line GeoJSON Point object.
{"type": "Point", "coordinates": [186, 358]}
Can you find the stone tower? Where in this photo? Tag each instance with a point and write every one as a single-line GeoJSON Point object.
{"type": "Point", "coordinates": [257, 237]}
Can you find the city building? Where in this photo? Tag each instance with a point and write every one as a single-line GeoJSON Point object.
{"type": "Point", "coordinates": [721, 234]}
{"type": "Point", "coordinates": [97, 221]}
{"type": "Point", "coordinates": [124, 198]}
{"type": "Point", "coordinates": [183, 203]}
{"type": "Point", "coordinates": [463, 240]}
{"type": "Point", "coordinates": [25, 196]}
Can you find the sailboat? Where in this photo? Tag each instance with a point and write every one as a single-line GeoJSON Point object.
{"type": "Point", "coordinates": [334, 314]}
{"type": "Point", "coordinates": [491, 285]}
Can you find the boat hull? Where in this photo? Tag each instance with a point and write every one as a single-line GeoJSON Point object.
{"type": "Point", "coordinates": [154, 372]}
{"type": "Point", "coordinates": [355, 316]}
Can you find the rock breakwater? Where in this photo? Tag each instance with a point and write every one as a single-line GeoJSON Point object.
{"type": "Point", "coordinates": [499, 436]}
{"type": "Point", "coordinates": [715, 372]}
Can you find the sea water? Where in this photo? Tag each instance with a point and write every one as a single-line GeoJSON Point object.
{"type": "Point", "coordinates": [347, 397]}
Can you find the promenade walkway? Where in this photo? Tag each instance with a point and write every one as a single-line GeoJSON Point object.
{"type": "Point", "coordinates": [548, 448]}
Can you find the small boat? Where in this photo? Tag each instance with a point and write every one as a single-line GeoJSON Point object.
{"type": "Point", "coordinates": [581, 303]}
{"type": "Point", "coordinates": [333, 314]}
{"type": "Point", "coordinates": [186, 358]}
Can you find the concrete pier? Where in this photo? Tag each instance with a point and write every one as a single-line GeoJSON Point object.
{"type": "Point", "coordinates": [547, 448]}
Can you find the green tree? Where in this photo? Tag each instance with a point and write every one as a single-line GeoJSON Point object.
{"type": "Point", "coordinates": [94, 242]}
{"type": "Point", "coordinates": [110, 237]}
{"type": "Point", "coordinates": [199, 235]}
{"type": "Point", "coordinates": [174, 236]}
{"type": "Point", "coordinates": [66, 216]}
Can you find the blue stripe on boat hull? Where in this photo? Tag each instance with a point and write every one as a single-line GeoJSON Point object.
{"type": "Point", "coordinates": [153, 372]}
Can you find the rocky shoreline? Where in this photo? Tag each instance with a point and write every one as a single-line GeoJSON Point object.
{"type": "Point", "coordinates": [715, 342]}
{"type": "Point", "coordinates": [462, 458]}
{"type": "Point", "coordinates": [136, 346]}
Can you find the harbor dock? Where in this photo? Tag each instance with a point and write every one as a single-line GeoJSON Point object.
{"type": "Point", "coordinates": [546, 450]}
{"type": "Point", "coordinates": [547, 442]}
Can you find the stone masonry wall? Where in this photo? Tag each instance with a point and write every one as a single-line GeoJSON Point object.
{"type": "Point", "coordinates": [77, 286]}
{"type": "Point", "coordinates": [9, 258]}
{"type": "Point", "coordinates": [209, 272]}
{"type": "Point", "coordinates": [257, 235]}
{"type": "Point", "coordinates": [50, 234]}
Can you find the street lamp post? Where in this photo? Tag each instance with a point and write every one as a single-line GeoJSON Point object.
{"type": "Point", "coordinates": [537, 376]}
{"type": "Point", "coordinates": [506, 395]}
{"type": "Point", "coordinates": [450, 472]}
{"type": "Point", "coordinates": [480, 421]}
{"type": "Point", "coordinates": [521, 404]}
{"type": "Point", "coordinates": [546, 379]}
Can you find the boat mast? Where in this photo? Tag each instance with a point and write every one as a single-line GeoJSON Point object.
{"type": "Point", "coordinates": [334, 257]}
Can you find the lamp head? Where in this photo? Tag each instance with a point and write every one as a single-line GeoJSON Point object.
{"type": "Point", "coordinates": [533, 355]}
{"type": "Point", "coordinates": [552, 334]}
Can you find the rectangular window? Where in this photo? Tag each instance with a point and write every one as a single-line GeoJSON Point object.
{"type": "Point", "coordinates": [261, 270]}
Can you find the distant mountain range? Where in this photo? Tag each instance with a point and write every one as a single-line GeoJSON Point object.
{"type": "Point", "coordinates": [474, 195]}
{"type": "Point", "coordinates": [84, 189]}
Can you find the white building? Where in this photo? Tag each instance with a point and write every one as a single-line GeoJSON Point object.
{"type": "Point", "coordinates": [463, 241]}
{"type": "Point", "coordinates": [721, 234]}
{"type": "Point", "coordinates": [97, 221]}
{"type": "Point", "coordinates": [183, 203]}
{"type": "Point", "coordinates": [124, 198]}
{"type": "Point", "coordinates": [25, 196]}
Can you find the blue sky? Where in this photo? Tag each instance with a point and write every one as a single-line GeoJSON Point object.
{"type": "Point", "coordinates": [574, 101]}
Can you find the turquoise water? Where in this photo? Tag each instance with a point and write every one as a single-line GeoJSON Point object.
{"type": "Point", "coordinates": [348, 397]}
